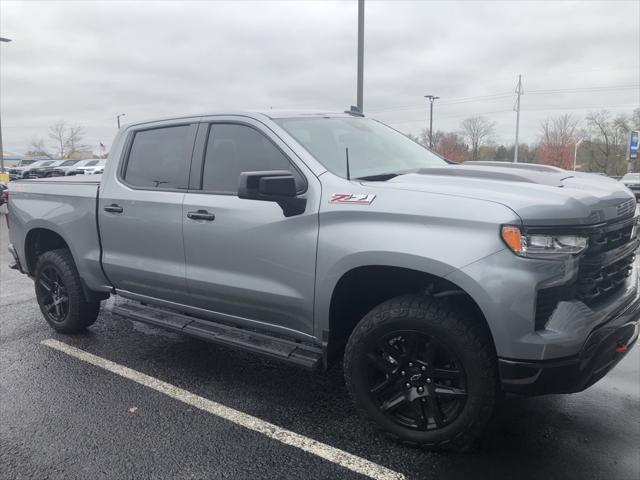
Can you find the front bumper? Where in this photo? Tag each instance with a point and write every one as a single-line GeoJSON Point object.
{"type": "Point", "coordinates": [603, 349]}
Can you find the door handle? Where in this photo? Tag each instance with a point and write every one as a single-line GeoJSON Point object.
{"type": "Point", "coordinates": [201, 215]}
{"type": "Point", "coordinates": [113, 208]}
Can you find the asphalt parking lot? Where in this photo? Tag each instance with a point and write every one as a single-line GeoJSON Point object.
{"type": "Point", "coordinates": [63, 417]}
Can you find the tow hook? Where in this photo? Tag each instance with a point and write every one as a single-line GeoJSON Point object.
{"type": "Point", "coordinates": [621, 348]}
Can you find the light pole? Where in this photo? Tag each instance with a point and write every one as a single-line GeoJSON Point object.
{"type": "Point", "coordinates": [575, 153]}
{"type": "Point", "coordinates": [118, 119]}
{"type": "Point", "coordinates": [360, 80]}
{"type": "Point", "coordinates": [431, 99]}
{"type": "Point", "coordinates": [4, 40]}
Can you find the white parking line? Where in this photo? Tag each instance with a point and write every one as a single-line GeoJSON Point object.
{"type": "Point", "coordinates": [327, 452]}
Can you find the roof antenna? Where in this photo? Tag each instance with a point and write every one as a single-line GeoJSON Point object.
{"type": "Point", "coordinates": [348, 172]}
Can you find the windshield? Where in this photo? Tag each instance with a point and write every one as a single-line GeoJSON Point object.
{"type": "Point", "coordinates": [68, 163]}
{"type": "Point", "coordinates": [631, 177]}
{"type": "Point", "coordinates": [374, 148]}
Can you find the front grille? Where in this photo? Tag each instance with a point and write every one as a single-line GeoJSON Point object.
{"type": "Point", "coordinates": [603, 270]}
{"type": "Point", "coordinates": [626, 208]}
{"type": "Point", "coordinates": [607, 263]}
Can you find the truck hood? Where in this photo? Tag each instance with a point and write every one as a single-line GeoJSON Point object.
{"type": "Point", "coordinates": [539, 196]}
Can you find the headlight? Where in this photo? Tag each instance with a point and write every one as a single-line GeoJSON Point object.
{"type": "Point", "coordinates": [542, 246]}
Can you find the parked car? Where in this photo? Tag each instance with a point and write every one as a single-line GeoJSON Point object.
{"type": "Point", "coordinates": [93, 168]}
{"type": "Point", "coordinates": [71, 168]}
{"type": "Point", "coordinates": [16, 173]}
{"type": "Point", "coordinates": [44, 171]}
{"type": "Point", "coordinates": [311, 238]}
{"type": "Point", "coordinates": [632, 182]}
{"type": "Point", "coordinates": [4, 193]}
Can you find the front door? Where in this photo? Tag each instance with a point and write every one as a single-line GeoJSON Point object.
{"type": "Point", "coordinates": [246, 260]}
{"type": "Point", "coordinates": [140, 213]}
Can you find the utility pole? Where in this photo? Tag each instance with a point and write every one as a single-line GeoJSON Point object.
{"type": "Point", "coordinates": [360, 54]}
{"type": "Point", "coordinates": [519, 91]}
{"type": "Point", "coordinates": [118, 119]}
{"type": "Point", "coordinates": [1, 147]}
{"type": "Point", "coordinates": [431, 99]}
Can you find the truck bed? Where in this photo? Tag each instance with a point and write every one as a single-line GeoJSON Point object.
{"type": "Point", "coordinates": [66, 206]}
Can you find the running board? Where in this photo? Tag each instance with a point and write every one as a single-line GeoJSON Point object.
{"type": "Point", "coordinates": [289, 351]}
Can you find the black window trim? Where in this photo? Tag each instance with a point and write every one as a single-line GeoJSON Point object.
{"type": "Point", "coordinates": [129, 145]}
{"type": "Point", "coordinates": [196, 179]}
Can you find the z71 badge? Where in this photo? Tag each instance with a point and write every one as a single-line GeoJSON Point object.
{"type": "Point", "coordinates": [352, 198]}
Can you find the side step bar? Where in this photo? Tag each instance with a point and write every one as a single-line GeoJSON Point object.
{"type": "Point", "coordinates": [290, 351]}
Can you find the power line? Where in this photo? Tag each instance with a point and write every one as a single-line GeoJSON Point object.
{"type": "Point", "coordinates": [585, 89]}
{"type": "Point", "coordinates": [500, 95]}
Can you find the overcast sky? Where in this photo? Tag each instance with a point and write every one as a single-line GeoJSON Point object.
{"type": "Point", "coordinates": [85, 62]}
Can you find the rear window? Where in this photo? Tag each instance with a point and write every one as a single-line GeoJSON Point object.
{"type": "Point", "coordinates": [160, 158]}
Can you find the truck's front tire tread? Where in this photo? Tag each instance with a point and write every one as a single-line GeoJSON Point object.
{"type": "Point", "coordinates": [445, 317]}
{"type": "Point", "coordinates": [82, 313]}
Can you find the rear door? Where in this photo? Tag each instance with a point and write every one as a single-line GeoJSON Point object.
{"type": "Point", "coordinates": [140, 212]}
{"type": "Point", "coordinates": [246, 261]}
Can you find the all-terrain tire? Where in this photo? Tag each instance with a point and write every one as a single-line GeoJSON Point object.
{"type": "Point", "coordinates": [78, 313]}
{"type": "Point", "coordinates": [461, 334]}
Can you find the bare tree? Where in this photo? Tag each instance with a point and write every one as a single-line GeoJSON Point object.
{"type": "Point", "coordinates": [73, 138]}
{"type": "Point", "coordinates": [477, 130]}
{"type": "Point", "coordinates": [58, 133]}
{"type": "Point", "coordinates": [37, 148]}
{"type": "Point", "coordinates": [557, 139]}
{"type": "Point", "coordinates": [635, 119]}
{"type": "Point", "coordinates": [608, 140]}
{"type": "Point", "coordinates": [67, 140]}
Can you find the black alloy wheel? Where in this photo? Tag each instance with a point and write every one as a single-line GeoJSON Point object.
{"type": "Point", "coordinates": [54, 294]}
{"type": "Point", "coordinates": [416, 380]}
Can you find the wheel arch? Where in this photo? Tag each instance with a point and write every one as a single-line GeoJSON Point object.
{"type": "Point", "coordinates": [361, 288]}
{"type": "Point", "coordinates": [39, 240]}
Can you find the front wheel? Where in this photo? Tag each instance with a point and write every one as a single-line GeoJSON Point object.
{"type": "Point", "coordinates": [423, 372]}
{"type": "Point", "coordinates": [60, 295]}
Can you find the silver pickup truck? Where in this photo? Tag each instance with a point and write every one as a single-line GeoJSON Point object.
{"type": "Point", "coordinates": [316, 237]}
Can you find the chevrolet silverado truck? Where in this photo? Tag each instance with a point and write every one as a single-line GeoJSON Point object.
{"type": "Point", "coordinates": [315, 238]}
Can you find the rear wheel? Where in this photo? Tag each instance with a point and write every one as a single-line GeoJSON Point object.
{"type": "Point", "coordinates": [423, 372]}
{"type": "Point", "coordinates": [60, 295]}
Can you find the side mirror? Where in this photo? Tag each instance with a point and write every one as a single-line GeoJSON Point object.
{"type": "Point", "coordinates": [268, 186]}
{"type": "Point", "coordinates": [272, 186]}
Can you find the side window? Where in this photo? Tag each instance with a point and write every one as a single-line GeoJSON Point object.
{"type": "Point", "coordinates": [232, 149]}
{"type": "Point", "coordinates": [160, 158]}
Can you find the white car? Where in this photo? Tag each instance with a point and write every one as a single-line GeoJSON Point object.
{"type": "Point", "coordinates": [69, 167]}
{"type": "Point", "coordinates": [92, 168]}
